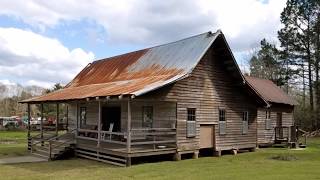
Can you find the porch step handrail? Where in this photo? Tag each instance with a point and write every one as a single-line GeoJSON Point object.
{"type": "Point", "coordinates": [60, 143]}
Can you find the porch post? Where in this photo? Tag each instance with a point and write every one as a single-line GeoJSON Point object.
{"type": "Point", "coordinates": [29, 128]}
{"type": "Point", "coordinates": [57, 119]}
{"type": "Point", "coordinates": [128, 158]}
{"type": "Point", "coordinates": [99, 124]}
{"type": "Point", "coordinates": [129, 127]}
{"type": "Point", "coordinates": [77, 115]}
{"type": "Point", "coordinates": [41, 122]}
{"type": "Point", "coordinates": [67, 123]}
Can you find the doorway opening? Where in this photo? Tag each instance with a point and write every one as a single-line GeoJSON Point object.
{"type": "Point", "coordinates": [111, 115]}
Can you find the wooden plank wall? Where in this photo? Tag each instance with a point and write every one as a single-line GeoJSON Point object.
{"type": "Point", "coordinates": [207, 89]}
{"type": "Point", "coordinates": [267, 136]}
{"type": "Point", "coordinates": [164, 113]}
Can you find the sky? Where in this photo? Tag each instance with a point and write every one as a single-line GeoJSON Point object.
{"type": "Point", "coordinates": [48, 42]}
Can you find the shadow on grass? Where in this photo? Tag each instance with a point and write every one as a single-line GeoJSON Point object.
{"type": "Point", "coordinates": [61, 165]}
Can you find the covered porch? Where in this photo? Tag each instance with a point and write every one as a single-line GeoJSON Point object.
{"type": "Point", "coordinates": [114, 130]}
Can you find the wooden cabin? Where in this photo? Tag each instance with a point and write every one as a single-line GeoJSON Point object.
{"type": "Point", "coordinates": [275, 124]}
{"type": "Point", "coordinates": [176, 98]}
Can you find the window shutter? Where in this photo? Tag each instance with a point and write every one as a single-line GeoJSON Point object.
{"type": "Point", "coordinates": [191, 128]}
{"type": "Point", "coordinates": [244, 127]}
{"type": "Point", "coordinates": [268, 124]}
{"type": "Point", "coordinates": [222, 127]}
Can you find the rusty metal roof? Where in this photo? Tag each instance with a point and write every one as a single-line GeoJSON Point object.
{"type": "Point", "coordinates": [270, 91]}
{"type": "Point", "coordinates": [136, 73]}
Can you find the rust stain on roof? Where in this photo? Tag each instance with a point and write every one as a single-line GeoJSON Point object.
{"type": "Point", "coordinates": [270, 91]}
{"type": "Point", "coordinates": [135, 73]}
{"type": "Point", "coordinates": [107, 70]}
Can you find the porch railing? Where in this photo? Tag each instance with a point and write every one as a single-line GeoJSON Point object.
{"type": "Point", "coordinates": [141, 138]}
{"type": "Point", "coordinates": [282, 133]}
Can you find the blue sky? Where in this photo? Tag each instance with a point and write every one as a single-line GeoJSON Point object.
{"type": "Point", "coordinates": [44, 42]}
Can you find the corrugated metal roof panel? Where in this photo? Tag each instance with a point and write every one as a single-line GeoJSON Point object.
{"type": "Point", "coordinates": [270, 91]}
{"type": "Point", "coordinates": [137, 72]}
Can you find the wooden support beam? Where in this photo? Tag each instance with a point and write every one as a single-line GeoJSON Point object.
{"type": "Point", "coordinates": [67, 123]}
{"type": "Point", "coordinates": [29, 119]}
{"type": "Point", "coordinates": [99, 124]}
{"type": "Point", "coordinates": [177, 156]}
{"type": "Point", "coordinates": [77, 116]}
{"type": "Point", "coordinates": [195, 155]}
{"type": "Point", "coordinates": [57, 119]}
{"type": "Point", "coordinates": [41, 121]}
{"type": "Point", "coordinates": [234, 151]}
{"type": "Point", "coordinates": [217, 153]}
{"type": "Point", "coordinates": [129, 127]}
{"type": "Point", "coordinates": [128, 161]}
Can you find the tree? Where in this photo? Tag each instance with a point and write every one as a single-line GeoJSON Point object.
{"type": "Point", "coordinates": [55, 87]}
{"type": "Point", "coordinates": [297, 37]}
{"type": "Point", "coordinates": [265, 64]}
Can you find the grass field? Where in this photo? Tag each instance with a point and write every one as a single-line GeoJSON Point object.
{"type": "Point", "coordinates": [269, 163]}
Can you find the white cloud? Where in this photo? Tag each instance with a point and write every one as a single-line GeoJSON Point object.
{"type": "Point", "coordinates": [244, 22]}
{"type": "Point", "coordinates": [44, 84]}
{"type": "Point", "coordinates": [33, 58]}
{"type": "Point", "coordinates": [6, 82]}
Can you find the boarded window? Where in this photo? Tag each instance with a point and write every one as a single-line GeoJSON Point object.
{"type": "Point", "coordinates": [245, 118]}
{"type": "Point", "coordinates": [191, 122]}
{"type": "Point", "coordinates": [147, 114]}
{"type": "Point", "coordinates": [268, 120]}
{"type": "Point", "coordinates": [83, 116]}
{"type": "Point", "coordinates": [222, 121]}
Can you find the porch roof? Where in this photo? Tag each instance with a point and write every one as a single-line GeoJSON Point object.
{"type": "Point", "coordinates": [135, 73]}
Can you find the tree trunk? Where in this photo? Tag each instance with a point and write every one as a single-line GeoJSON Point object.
{"type": "Point", "coordinates": [317, 66]}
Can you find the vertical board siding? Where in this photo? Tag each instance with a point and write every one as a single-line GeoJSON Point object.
{"type": "Point", "coordinates": [164, 113]}
{"type": "Point", "coordinates": [267, 136]}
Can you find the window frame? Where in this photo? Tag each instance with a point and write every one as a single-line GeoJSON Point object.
{"type": "Point", "coordinates": [83, 118]}
{"type": "Point", "coordinates": [245, 122]}
{"type": "Point", "coordinates": [146, 124]}
{"type": "Point", "coordinates": [222, 121]}
{"type": "Point", "coordinates": [268, 120]}
{"type": "Point", "coordinates": [191, 121]}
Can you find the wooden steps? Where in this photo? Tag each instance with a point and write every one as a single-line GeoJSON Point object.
{"type": "Point", "coordinates": [56, 152]}
{"type": "Point", "coordinates": [57, 147]}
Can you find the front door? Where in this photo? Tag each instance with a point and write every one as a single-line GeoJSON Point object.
{"type": "Point", "coordinates": [111, 115]}
{"type": "Point", "coordinates": [279, 125]}
{"type": "Point", "coordinates": [206, 136]}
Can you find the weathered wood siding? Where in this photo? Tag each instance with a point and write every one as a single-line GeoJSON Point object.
{"type": "Point", "coordinates": [266, 136]}
{"type": "Point", "coordinates": [164, 113]}
{"type": "Point", "coordinates": [209, 88]}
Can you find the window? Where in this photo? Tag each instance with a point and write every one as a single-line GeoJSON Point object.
{"type": "Point", "coordinates": [191, 122]}
{"type": "Point", "coordinates": [245, 118]}
{"type": "Point", "coordinates": [147, 120]}
{"type": "Point", "coordinates": [268, 120]}
{"type": "Point", "coordinates": [83, 116]}
{"type": "Point", "coordinates": [222, 121]}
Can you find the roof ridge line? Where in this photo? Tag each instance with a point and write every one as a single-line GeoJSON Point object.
{"type": "Point", "coordinates": [208, 32]}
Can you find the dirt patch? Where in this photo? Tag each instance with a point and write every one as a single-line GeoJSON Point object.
{"type": "Point", "coordinates": [5, 141]}
{"type": "Point", "coordinates": [284, 157]}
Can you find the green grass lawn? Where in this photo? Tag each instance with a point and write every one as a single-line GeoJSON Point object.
{"type": "Point", "coordinates": [13, 143]}
{"type": "Point", "coordinates": [303, 164]}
